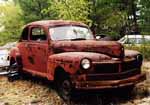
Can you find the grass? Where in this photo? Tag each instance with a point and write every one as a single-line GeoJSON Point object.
{"type": "Point", "coordinates": [27, 92]}
{"type": "Point", "coordinates": [32, 91]}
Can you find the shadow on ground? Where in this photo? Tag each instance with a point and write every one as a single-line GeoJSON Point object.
{"type": "Point", "coordinates": [103, 97]}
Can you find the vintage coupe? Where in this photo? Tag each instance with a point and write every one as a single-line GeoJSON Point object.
{"type": "Point", "coordinates": [67, 53]}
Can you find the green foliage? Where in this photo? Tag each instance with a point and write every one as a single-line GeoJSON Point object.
{"type": "Point", "coordinates": [33, 9]}
{"type": "Point", "coordinates": [108, 17]}
{"type": "Point", "coordinates": [144, 16]}
{"type": "Point", "coordinates": [77, 10]}
{"type": "Point", "coordinates": [112, 17]}
{"type": "Point", "coordinates": [11, 21]}
{"type": "Point", "coordinates": [104, 16]}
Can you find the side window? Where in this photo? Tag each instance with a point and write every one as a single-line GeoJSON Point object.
{"type": "Point", "coordinates": [37, 34]}
{"type": "Point", "coordinates": [24, 35]}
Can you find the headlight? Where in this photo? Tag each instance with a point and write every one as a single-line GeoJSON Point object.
{"type": "Point", "coordinates": [85, 63]}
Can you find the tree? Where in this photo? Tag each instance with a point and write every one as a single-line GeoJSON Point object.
{"type": "Point", "coordinates": [108, 16]}
{"type": "Point", "coordinates": [33, 9]}
{"type": "Point", "coordinates": [103, 16]}
{"type": "Point", "coordinates": [77, 10]}
{"type": "Point", "coordinates": [11, 21]}
{"type": "Point", "coordinates": [112, 17]}
{"type": "Point", "coordinates": [131, 7]}
{"type": "Point", "coordinates": [144, 19]}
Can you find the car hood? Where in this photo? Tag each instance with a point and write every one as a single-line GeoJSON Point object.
{"type": "Point", "coordinates": [110, 48]}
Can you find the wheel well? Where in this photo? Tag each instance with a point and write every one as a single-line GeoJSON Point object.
{"type": "Point", "coordinates": [12, 60]}
{"type": "Point", "coordinates": [59, 72]}
{"type": "Point", "coordinates": [17, 59]}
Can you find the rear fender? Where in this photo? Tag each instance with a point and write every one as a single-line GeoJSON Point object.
{"type": "Point", "coordinates": [14, 53]}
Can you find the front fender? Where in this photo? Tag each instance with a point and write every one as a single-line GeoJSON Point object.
{"type": "Point", "coordinates": [69, 65]}
{"type": "Point", "coordinates": [70, 61]}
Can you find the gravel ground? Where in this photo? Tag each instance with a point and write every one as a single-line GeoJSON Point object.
{"type": "Point", "coordinates": [33, 91]}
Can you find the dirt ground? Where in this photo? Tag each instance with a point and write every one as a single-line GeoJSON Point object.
{"type": "Point", "coordinates": [33, 91]}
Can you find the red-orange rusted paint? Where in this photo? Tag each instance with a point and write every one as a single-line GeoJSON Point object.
{"type": "Point", "coordinates": [111, 65]}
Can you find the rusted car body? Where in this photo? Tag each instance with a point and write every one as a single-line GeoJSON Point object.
{"type": "Point", "coordinates": [85, 62]}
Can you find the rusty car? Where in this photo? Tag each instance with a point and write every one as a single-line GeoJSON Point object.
{"type": "Point", "coordinates": [67, 53]}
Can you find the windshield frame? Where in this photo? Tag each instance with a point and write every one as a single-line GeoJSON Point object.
{"type": "Point", "coordinates": [69, 25]}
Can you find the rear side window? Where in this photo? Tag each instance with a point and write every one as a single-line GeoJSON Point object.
{"type": "Point", "coordinates": [25, 34]}
{"type": "Point", "coordinates": [37, 34]}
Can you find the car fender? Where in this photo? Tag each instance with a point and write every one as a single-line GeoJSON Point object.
{"type": "Point", "coordinates": [70, 62]}
{"type": "Point", "coordinates": [68, 65]}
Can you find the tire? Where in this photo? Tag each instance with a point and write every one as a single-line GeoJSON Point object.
{"type": "Point", "coordinates": [64, 86]}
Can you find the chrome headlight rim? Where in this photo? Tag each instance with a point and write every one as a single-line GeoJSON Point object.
{"type": "Point", "coordinates": [85, 63]}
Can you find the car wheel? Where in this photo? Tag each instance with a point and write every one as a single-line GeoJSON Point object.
{"type": "Point", "coordinates": [64, 86]}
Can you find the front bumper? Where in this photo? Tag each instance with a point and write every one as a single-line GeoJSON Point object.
{"type": "Point", "coordinates": [106, 84]}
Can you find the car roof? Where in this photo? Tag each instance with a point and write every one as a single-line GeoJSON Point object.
{"type": "Point", "coordinates": [56, 23]}
{"type": "Point", "coordinates": [137, 36]}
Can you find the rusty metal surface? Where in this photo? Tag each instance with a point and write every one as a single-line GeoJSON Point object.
{"type": "Point", "coordinates": [52, 23]}
{"type": "Point", "coordinates": [86, 85]}
{"type": "Point", "coordinates": [43, 57]}
{"type": "Point", "coordinates": [111, 48]}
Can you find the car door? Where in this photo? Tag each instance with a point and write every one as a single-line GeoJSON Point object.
{"type": "Point", "coordinates": [23, 47]}
{"type": "Point", "coordinates": [37, 50]}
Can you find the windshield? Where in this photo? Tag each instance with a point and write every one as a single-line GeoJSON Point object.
{"type": "Point", "coordinates": [70, 33]}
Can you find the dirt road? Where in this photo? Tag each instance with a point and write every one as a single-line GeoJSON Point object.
{"type": "Point", "coordinates": [32, 91]}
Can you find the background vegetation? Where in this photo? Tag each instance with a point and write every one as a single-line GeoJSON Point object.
{"type": "Point", "coordinates": [112, 17]}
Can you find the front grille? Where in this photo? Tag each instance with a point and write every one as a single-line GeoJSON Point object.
{"type": "Point", "coordinates": [129, 65]}
{"type": "Point", "coordinates": [114, 67]}
{"type": "Point", "coordinates": [106, 68]}
{"type": "Point", "coordinates": [111, 71]}
{"type": "Point", "coordinates": [114, 76]}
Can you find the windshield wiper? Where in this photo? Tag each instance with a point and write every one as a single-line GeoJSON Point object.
{"type": "Point", "coordinates": [78, 39]}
